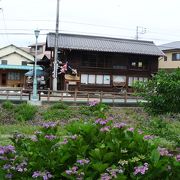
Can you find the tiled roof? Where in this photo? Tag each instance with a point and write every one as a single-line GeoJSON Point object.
{"type": "Point", "coordinates": [103, 44]}
{"type": "Point", "coordinates": [169, 46]}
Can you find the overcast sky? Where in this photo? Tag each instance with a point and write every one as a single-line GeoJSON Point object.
{"type": "Point", "coordinates": [113, 18]}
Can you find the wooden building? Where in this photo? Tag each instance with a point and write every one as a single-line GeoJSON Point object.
{"type": "Point", "coordinates": [105, 64]}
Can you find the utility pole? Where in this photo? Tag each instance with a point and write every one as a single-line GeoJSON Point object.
{"type": "Point", "coordinates": [56, 49]}
{"type": "Point", "coordinates": [140, 30]}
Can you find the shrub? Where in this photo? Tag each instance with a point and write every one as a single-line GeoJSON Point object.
{"type": "Point", "coordinates": [95, 108]}
{"type": "Point", "coordinates": [57, 114]}
{"type": "Point", "coordinates": [59, 105]}
{"type": "Point", "coordinates": [8, 105]}
{"type": "Point", "coordinates": [109, 150]}
{"type": "Point", "coordinates": [161, 93]}
{"type": "Point", "coordinates": [25, 112]}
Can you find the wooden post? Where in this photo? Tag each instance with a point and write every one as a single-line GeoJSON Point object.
{"type": "Point", "coordinates": [125, 96]}
{"type": "Point", "coordinates": [75, 96]}
{"type": "Point", "coordinates": [61, 96]}
{"type": "Point", "coordinates": [113, 99]}
{"type": "Point", "coordinates": [88, 97]}
{"type": "Point", "coordinates": [7, 97]}
{"type": "Point", "coordinates": [39, 95]}
{"type": "Point", "coordinates": [48, 97]}
{"type": "Point", "coordinates": [21, 94]}
{"type": "Point", "coordinates": [29, 95]}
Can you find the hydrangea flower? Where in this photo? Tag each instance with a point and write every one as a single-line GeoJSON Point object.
{"type": "Point", "coordinates": [178, 157]}
{"type": "Point", "coordinates": [131, 129]}
{"type": "Point", "coordinates": [73, 170]}
{"type": "Point", "coordinates": [164, 152]}
{"type": "Point", "coordinates": [6, 149]}
{"type": "Point", "coordinates": [105, 176]}
{"type": "Point", "coordinates": [8, 176]}
{"type": "Point", "coordinates": [93, 103]}
{"type": "Point", "coordinates": [147, 137]}
{"type": "Point", "coordinates": [83, 161]}
{"type": "Point", "coordinates": [50, 137]}
{"type": "Point", "coordinates": [49, 125]}
{"type": "Point", "coordinates": [141, 169]}
{"type": "Point", "coordinates": [45, 175]}
{"type": "Point", "coordinates": [120, 125]}
{"type": "Point", "coordinates": [105, 129]}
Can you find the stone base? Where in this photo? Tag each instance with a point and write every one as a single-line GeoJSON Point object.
{"type": "Point", "coordinates": [35, 103]}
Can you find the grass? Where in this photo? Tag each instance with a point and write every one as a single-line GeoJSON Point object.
{"type": "Point", "coordinates": [7, 131]}
{"type": "Point", "coordinates": [166, 127]}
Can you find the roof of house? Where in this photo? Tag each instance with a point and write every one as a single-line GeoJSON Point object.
{"type": "Point", "coordinates": [14, 49]}
{"type": "Point", "coordinates": [103, 44]}
{"type": "Point", "coordinates": [38, 44]}
{"type": "Point", "coordinates": [170, 46]}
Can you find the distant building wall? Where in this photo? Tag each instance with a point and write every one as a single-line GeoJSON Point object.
{"type": "Point", "coordinates": [168, 62]}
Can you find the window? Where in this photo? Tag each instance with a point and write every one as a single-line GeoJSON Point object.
{"type": "Point", "coordinates": [99, 79]}
{"type": "Point", "coordinates": [119, 79]}
{"type": "Point", "coordinates": [176, 56]}
{"type": "Point", "coordinates": [165, 58]}
{"type": "Point", "coordinates": [4, 62]}
{"type": "Point", "coordinates": [106, 79]}
{"type": "Point", "coordinates": [132, 80]}
{"type": "Point", "coordinates": [95, 79]}
{"type": "Point", "coordinates": [91, 79]}
{"type": "Point", "coordinates": [24, 63]}
{"type": "Point", "coordinates": [119, 67]}
{"type": "Point", "coordinates": [138, 64]}
{"type": "Point", "coordinates": [84, 78]}
{"type": "Point", "coordinates": [13, 76]}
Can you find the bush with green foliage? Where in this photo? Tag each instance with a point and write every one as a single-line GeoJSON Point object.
{"type": "Point", "coordinates": [100, 149]}
{"type": "Point", "coordinates": [59, 105]}
{"type": "Point", "coordinates": [95, 108]}
{"type": "Point", "coordinates": [161, 93]}
{"type": "Point", "coordinates": [25, 112]}
{"type": "Point", "coordinates": [8, 105]}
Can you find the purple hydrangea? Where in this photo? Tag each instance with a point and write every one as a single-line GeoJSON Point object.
{"type": "Point", "coordinates": [36, 174]}
{"type": "Point", "coordinates": [178, 157]}
{"type": "Point", "coordinates": [93, 103]}
{"type": "Point", "coordinates": [105, 129]}
{"type": "Point", "coordinates": [164, 152]}
{"type": "Point", "coordinates": [50, 137]}
{"type": "Point", "coordinates": [65, 141]}
{"type": "Point", "coordinates": [73, 170]}
{"type": "Point", "coordinates": [147, 137]}
{"type": "Point", "coordinates": [141, 169]}
{"type": "Point", "coordinates": [6, 149]}
{"type": "Point", "coordinates": [49, 125]}
{"type": "Point", "coordinates": [8, 176]}
{"type": "Point", "coordinates": [131, 129]}
{"type": "Point", "coordinates": [83, 161]}
{"type": "Point", "coordinates": [120, 125]}
{"type": "Point", "coordinates": [74, 137]}
{"type": "Point", "coordinates": [105, 176]}
{"type": "Point", "coordinates": [6, 166]}
{"type": "Point", "coordinates": [45, 175]}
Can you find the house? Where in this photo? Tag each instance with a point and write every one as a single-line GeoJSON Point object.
{"type": "Point", "coordinates": [41, 50]}
{"type": "Point", "coordinates": [171, 60]}
{"type": "Point", "coordinates": [103, 63]}
{"type": "Point", "coordinates": [13, 65]}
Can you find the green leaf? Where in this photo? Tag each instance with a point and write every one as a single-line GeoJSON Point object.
{"type": "Point", "coordinates": [155, 156]}
{"type": "Point", "coordinates": [100, 167]}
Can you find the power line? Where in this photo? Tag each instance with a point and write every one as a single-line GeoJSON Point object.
{"type": "Point", "coordinates": [4, 24]}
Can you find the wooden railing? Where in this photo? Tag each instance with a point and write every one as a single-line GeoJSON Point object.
{"type": "Point", "coordinates": [71, 96]}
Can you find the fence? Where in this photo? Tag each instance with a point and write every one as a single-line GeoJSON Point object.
{"type": "Point", "coordinates": [71, 96]}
